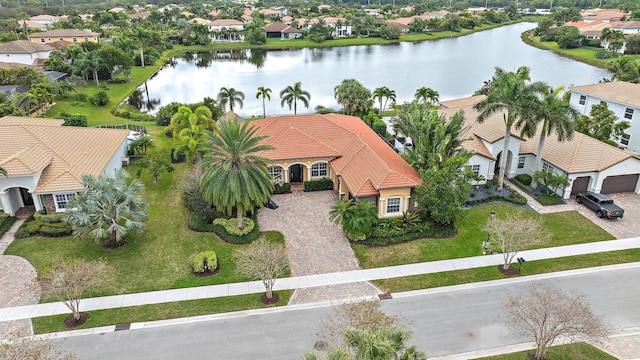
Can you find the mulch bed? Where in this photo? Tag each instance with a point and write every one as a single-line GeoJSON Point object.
{"type": "Point", "coordinates": [274, 299]}
{"type": "Point", "coordinates": [511, 271]}
{"type": "Point", "coordinates": [70, 322]}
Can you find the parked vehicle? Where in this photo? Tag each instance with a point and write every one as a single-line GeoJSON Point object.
{"type": "Point", "coordinates": [601, 204]}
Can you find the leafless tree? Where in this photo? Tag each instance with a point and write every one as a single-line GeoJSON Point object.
{"type": "Point", "coordinates": [263, 260]}
{"type": "Point", "coordinates": [17, 347]}
{"type": "Point", "coordinates": [66, 281]}
{"type": "Point", "coordinates": [515, 232]}
{"type": "Point", "coordinates": [546, 313]}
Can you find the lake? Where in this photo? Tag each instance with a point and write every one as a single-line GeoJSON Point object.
{"type": "Point", "coordinates": [454, 67]}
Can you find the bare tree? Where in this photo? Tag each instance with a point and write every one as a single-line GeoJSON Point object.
{"type": "Point", "coordinates": [263, 260]}
{"type": "Point", "coordinates": [546, 313]}
{"type": "Point", "coordinates": [17, 347]}
{"type": "Point", "coordinates": [365, 315]}
{"type": "Point", "coordinates": [515, 232]}
{"type": "Point", "coordinates": [67, 281]}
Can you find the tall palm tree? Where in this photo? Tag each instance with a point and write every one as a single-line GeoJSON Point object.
{"type": "Point", "coordinates": [556, 115]}
{"type": "Point", "coordinates": [192, 142]}
{"type": "Point", "coordinates": [625, 69]}
{"type": "Point", "coordinates": [513, 95]}
{"type": "Point", "coordinates": [384, 93]}
{"type": "Point", "coordinates": [292, 94]}
{"type": "Point", "coordinates": [185, 118]}
{"type": "Point", "coordinates": [264, 92]}
{"type": "Point", "coordinates": [141, 36]}
{"type": "Point", "coordinates": [90, 62]}
{"type": "Point", "coordinates": [426, 95]}
{"type": "Point", "coordinates": [230, 96]}
{"type": "Point", "coordinates": [236, 179]}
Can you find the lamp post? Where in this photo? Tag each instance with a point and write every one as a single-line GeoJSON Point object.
{"type": "Point", "coordinates": [520, 262]}
{"type": "Point", "coordinates": [485, 246]}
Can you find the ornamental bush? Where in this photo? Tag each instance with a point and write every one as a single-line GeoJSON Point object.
{"type": "Point", "coordinates": [525, 179]}
{"type": "Point", "coordinates": [55, 231]}
{"type": "Point", "coordinates": [205, 261]}
{"type": "Point", "coordinates": [101, 98]}
{"type": "Point", "coordinates": [231, 225]}
{"type": "Point", "coordinates": [285, 188]}
{"type": "Point", "coordinates": [318, 185]}
{"type": "Point", "coordinates": [49, 218]}
{"type": "Point", "coordinates": [5, 222]}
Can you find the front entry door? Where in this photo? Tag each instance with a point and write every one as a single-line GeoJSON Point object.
{"type": "Point", "coordinates": [296, 173]}
{"type": "Point", "coordinates": [27, 199]}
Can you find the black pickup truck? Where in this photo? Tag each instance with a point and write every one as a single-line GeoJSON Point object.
{"type": "Point", "coordinates": [601, 204]}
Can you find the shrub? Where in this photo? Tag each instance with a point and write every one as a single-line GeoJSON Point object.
{"type": "Point", "coordinates": [23, 231]}
{"type": "Point", "coordinates": [5, 222]}
{"type": "Point", "coordinates": [552, 199]}
{"type": "Point", "coordinates": [521, 185]}
{"type": "Point", "coordinates": [285, 188]}
{"type": "Point", "coordinates": [231, 225]}
{"type": "Point", "coordinates": [51, 231]}
{"type": "Point", "coordinates": [605, 54]}
{"type": "Point", "coordinates": [393, 235]}
{"type": "Point", "coordinates": [200, 224]}
{"type": "Point", "coordinates": [525, 179]}
{"type": "Point", "coordinates": [120, 79]}
{"type": "Point", "coordinates": [205, 261]}
{"type": "Point", "coordinates": [380, 127]}
{"type": "Point", "coordinates": [34, 227]}
{"type": "Point", "coordinates": [101, 98]}
{"type": "Point", "coordinates": [81, 97]}
{"type": "Point", "coordinates": [74, 119]}
{"type": "Point", "coordinates": [318, 185]}
{"type": "Point", "coordinates": [49, 218]}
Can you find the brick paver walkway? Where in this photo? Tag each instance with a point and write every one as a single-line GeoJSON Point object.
{"type": "Point", "coordinates": [314, 244]}
{"type": "Point", "coordinates": [624, 346]}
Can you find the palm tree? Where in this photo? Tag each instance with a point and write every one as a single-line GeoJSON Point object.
{"type": "Point", "coordinates": [25, 101]}
{"type": "Point", "coordinates": [556, 115]}
{"type": "Point", "coordinates": [353, 97]}
{"type": "Point", "coordinates": [108, 209]}
{"type": "Point", "coordinates": [230, 96]}
{"type": "Point", "coordinates": [514, 96]}
{"type": "Point", "coordinates": [192, 142]}
{"type": "Point", "coordinates": [427, 95]}
{"type": "Point", "coordinates": [385, 344]}
{"type": "Point", "coordinates": [384, 93]}
{"type": "Point", "coordinates": [90, 62]}
{"type": "Point", "coordinates": [236, 179]}
{"type": "Point", "coordinates": [3, 172]}
{"type": "Point", "coordinates": [625, 69]}
{"type": "Point", "coordinates": [264, 93]}
{"type": "Point", "coordinates": [355, 216]}
{"type": "Point", "coordinates": [141, 36]}
{"type": "Point", "coordinates": [185, 118]}
{"type": "Point", "coordinates": [291, 94]}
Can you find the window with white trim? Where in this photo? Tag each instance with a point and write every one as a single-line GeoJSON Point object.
{"type": "Point", "coordinates": [624, 140]}
{"type": "Point", "coordinates": [276, 173]}
{"type": "Point", "coordinates": [86, 39]}
{"type": "Point", "coordinates": [475, 169]}
{"type": "Point", "coordinates": [521, 162]}
{"type": "Point", "coordinates": [547, 168]}
{"type": "Point", "coordinates": [583, 100]}
{"type": "Point", "coordinates": [393, 205]}
{"type": "Point", "coordinates": [75, 39]}
{"type": "Point", "coordinates": [628, 113]}
{"type": "Point", "coordinates": [62, 200]}
{"type": "Point", "coordinates": [319, 170]}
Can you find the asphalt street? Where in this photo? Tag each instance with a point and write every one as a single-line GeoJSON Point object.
{"type": "Point", "coordinates": [445, 323]}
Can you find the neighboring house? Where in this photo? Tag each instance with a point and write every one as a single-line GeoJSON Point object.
{"type": "Point", "coordinates": [226, 30]}
{"type": "Point", "coordinates": [12, 90]}
{"type": "Point", "coordinates": [24, 52]}
{"type": "Point", "coordinates": [45, 161]}
{"type": "Point", "coordinates": [605, 15]}
{"type": "Point", "coordinates": [282, 31]}
{"type": "Point", "coordinates": [200, 21]}
{"type": "Point", "coordinates": [140, 15]}
{"type": "Point", "coordinates": [589, 163]}
{"type": "Point", "coordinates": [269, 13]}
{"type": "Point", "coordinates": [592, 29]}
{"type": "Point", "coordinates": [339, 27]}
{"type": "Point", "coordinates": [405, 21]}
{"type": "Point", "coordinates": [70, 35]}
{"type": "Point", "coordinates": [621, 97]}
{"type": "Point", "coordinates": [34, 25]}
{"type": "Point", "coordinates": [627, 27]}
{"type": "Point", "coordinates": [344, 149]}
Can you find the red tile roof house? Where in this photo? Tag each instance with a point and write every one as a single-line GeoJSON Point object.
{"type": "Point", "coordinates": [226, 30]}
{"type": "Point", "coordinates": [343, 148]}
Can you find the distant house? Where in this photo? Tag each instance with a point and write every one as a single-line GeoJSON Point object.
{"type": "Point", "coordinates": [339, 26]}
{"type": "Point", "coordinates": [226, 30]}
{"type": "Point", "coordinates": [140, 15]}
{"type": "Point", "coordinates": [45, 161]}
{"type": "Point", "coordinates": [282, 31]}
{"type": "Point", "coordinates": [621, 97]}
{"type": "Point", "coordinates": [627, 27]}
{"type": "Point", "coordinates": [24, 52]}
{"type": "Point", "coordinates": [605, 15]}
{"type": "Point", "coordinates": [34, 25]}
{"type": "Point", "coordinates": [71, 35]}
{"type": "Point", "coordinates": [269, 13]}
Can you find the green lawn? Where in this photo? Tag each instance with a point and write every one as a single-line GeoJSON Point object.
{"type": "Point", "coordinates": [172, 310]}
{"type": "Point", "coordinates": [577, 351]}
{"type": "Point", "coordinates": [565, 228]}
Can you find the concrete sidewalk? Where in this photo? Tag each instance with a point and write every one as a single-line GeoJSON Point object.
{"type": "Point", "coordinates": [212, 291]}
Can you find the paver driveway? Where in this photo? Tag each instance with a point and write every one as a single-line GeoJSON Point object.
{"type": "Point", "coordinates": [314, 244]}
{"type": "Point", "coordinates": [627, 227]}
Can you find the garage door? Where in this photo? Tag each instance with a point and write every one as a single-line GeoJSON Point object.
{"type": "Point", "coordinates": [620, 183]}
{"type": "Point", "coordinates": [580, 184]}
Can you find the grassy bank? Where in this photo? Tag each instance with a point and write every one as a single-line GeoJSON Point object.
{"type": "Point", "coordinates": [560, 352]}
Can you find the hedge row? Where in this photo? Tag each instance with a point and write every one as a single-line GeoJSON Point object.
{"type": "Point", "coordinates": [200, 224]}
{"type": "Point", "coordinates": [429, 232]}
{"type": "Point", "coordinates": [514, 199]}
{"type": "Point", "coordinates": [48, 229]}
{"type": "Point", "coordinates": [522, 186]}
{"type": "Point", "coordinates": [285, 188]}
{"type": "Point", "coordinates": [318, 185]}
{"type": "Point", "coordinates": [5, 223]}
{"type": "Point", "coordinates": [49, 218]}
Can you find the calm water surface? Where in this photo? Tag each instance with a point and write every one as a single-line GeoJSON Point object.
{"type": "Point", "coordinates": [454, 67]}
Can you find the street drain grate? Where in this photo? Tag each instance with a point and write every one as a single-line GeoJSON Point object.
{"type": "Point", "coordinates": [125, 326]}
{"type": "Point", "coordinates": [385, 296]}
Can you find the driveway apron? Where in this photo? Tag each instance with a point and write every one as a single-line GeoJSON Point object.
{"type": "Point", "coordinates": [314, 244]}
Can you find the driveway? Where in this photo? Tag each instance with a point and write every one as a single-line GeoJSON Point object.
{"type": "Point", "coordinates": [627, 227]}
{"type": "Point", "coordinates": [314, 244]}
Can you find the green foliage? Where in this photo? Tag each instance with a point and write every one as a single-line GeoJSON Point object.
{"type": "Point", "coordinates": [34, 227]}
{"type": "Point", "coordinates": [5, 222]}
{"type": "Point", "coordinates": [157, 163]}
{"type": "Point", "coordinates": [569, 37]}
{"type": "Point", "coordinates": [318, 185]}
{"type": "Point", "coordinates": [633, 45]}
{"type": "Point", "coordinates": [205, 261]}
{"type": "Point", "coordinates": [200, 224]}
{"type": "Point", "coordinates": [230, 225]}
{"type": "Point", "coordinates": [120, 79]}
{"type": "Point", "coordinates": [550, 199]}
{"type": "Point", "coordinates": [522, 186]}
{"type": "Point", "coordinates": [193, 199]}
{"type": "Point", "coordinates": [23, 230]}
{"type": "Point", "coordinates": [525, 179]}
{"type": "Point", "coordinates": [49, 218]}
{"type": "Point", "coordinates": [605, 54]}
{"type": "Point", "coordinates": [380, 127]}
{"type": "Point", "coordinates": [100, 98]}
{"type": "Point", "coordinates": [74, 119]}
{"type": "Point", "coordinates": [353, 96]}
{"type": "Point", "coordinates": [283, 188]}
{"type": "Point", "coordinates": [356, 217]}
{"type": "Point", "coordinates": [54, 231]}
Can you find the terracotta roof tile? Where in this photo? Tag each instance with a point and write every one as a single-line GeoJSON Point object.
{"type": "Point", "coordinates": [617, 91]}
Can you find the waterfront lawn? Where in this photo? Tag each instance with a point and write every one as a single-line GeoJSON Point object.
{"type": "Point", "coordinates": [560, 352]}
{"type": "Point", "coordinates": [566, 228]}
{"type": "Point", "coordinates": [172, 310]}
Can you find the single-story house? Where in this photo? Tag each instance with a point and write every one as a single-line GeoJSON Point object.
{"type": "Point", "coordinates": [282, 31]}
{"type": "Point", "coordinates": [342, 148]}
{"type": "Point", "coordinates": [589, 163]}
{"type": "Point", "coordinates": [71, 35]}
{"type": "Point", "coordinates": [24, 52]}
{"type": "Point", "coordinates": [45, 161]}
{"type": "Point", "coordinates": [621, 97]}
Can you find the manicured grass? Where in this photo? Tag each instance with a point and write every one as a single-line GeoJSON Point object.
{"type": "Point", "coordinates": [458, 277]}
{"type": "Point", "coordinates": [577, 351]}
{"type": "Point", "coordinates": [172, 310]}
{"type": "Point", "coordinates": [565, 228]}
{"type": "Point", "coordinates": [158, 259]}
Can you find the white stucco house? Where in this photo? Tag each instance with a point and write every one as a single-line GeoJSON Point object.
{"type": "Point", "coordinates": [226, 30]}
{"type": "Point", "coordinates": [621, 97]}
{"type": "Point", "coordinates": [45, 161]}
{"type": "Point", "coordinates": [24, 52]}
{"type": "Point", "coordinates": [589, 163]}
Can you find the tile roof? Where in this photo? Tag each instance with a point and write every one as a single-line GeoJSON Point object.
{"type": "Point", "coordinates": [23, 47]}
{"type": "Point", "coordinates": [64, 154]}
{"type": "Point", "coordinates": [276, 27]}
{"type": "Point", "coordinates": [364, 161]}
{"type": "Point", "coordinates": [225, 22]}
{"type": "Point", "coordinates": [617, 91]}
{"type": "Point", "coordinates": [63, 33]}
